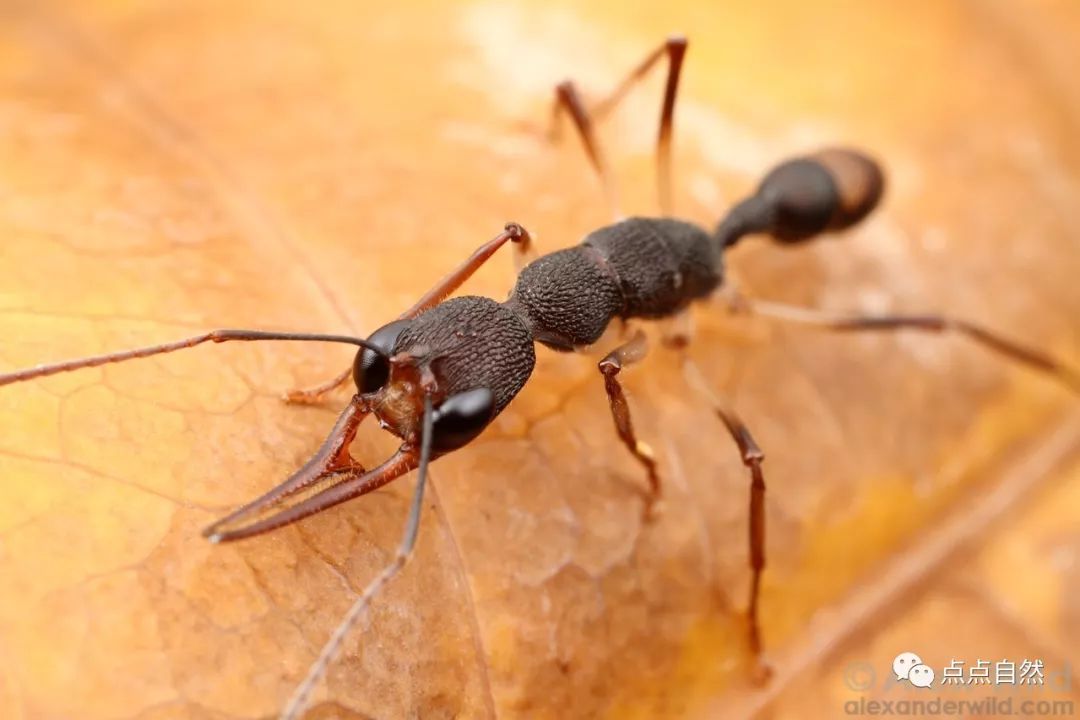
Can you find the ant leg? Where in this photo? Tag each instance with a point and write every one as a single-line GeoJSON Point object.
{"type": "Point", "coordinates": [412, 528]}
{"type": "Point", "coordinates": [567, 98]}
{"type": "Point", "coordinates": [524, 253]}
{"type": "Point", "coordinates": [752, 457]}
{"type": "Point", "coordinates": [453, 281]}
{"type": "Point", "coordinates": [314, 395]}
{"type": "Point", "coordinates": [626, 354]}
{"type": "Point", "coordinates": [675, 50]}
{"type": "Point", "coordinates": [522, 240]}
{"type": "Point", "coordinates": [1035, 359]}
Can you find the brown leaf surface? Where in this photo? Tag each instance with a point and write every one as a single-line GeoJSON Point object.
{"type": "Point", "coordinates": [316, 166]}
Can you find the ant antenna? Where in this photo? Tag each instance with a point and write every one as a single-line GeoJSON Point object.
{"type": "Point", "coordinates": [217, 336]}
{"type": "Point", "coordinates": [299, 699]}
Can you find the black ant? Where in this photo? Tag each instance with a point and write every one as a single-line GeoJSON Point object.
{"type": "Point", "coordinates": [441, 372]}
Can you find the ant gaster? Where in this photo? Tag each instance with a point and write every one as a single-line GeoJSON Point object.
{"type": "Point", "coordinates": [440, 373]}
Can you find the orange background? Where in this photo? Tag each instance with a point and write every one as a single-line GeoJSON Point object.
{"type": "Point", "coordinates": [166, 169]}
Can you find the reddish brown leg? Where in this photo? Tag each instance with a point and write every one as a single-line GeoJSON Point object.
{"type": "Point", "coordinates": [524, 253]}
{"type": "Point", "coordinates": [674, 49]}
{"type": "Point", "coordinates": [567, 98]}
{"type": "Point", "coordinates": [450, 283]}
{"type": "Point", "coordinates": [1031, 357]}
{"type": "Point", "coordinates": [627, 354]}
{"type": "Point", "coordinates": [752, 457]}
{"type": "Point", "coordinates": [315, 395]}
{"type": "Point", "coordinates": [453, 281]}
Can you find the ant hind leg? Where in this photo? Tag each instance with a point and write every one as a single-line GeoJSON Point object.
{"type": "Point", "coordinates": [752, 457]}
{"type": "Point", "coordinates": [1031, 357]}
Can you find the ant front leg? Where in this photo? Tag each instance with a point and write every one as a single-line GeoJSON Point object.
{"type": "Point", "coordinates": [315, 395]}
{"type": "Point", "coordinates": [752, 457]}
{"type": "Point", "coordinates": [568, 99]}
{"type": "Point", "coordinates": [512, 232]}
{"type": "Point", "coordinates": [627, 354]}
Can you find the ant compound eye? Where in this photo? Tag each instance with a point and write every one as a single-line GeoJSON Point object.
{"type": "Point", "coordinates": [462, 417]}
{"type": "Point", "coordinates": [371, 370]}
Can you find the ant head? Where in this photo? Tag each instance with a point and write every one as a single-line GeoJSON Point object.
{"type": "Point", "coordinates": [455, 354]}
{"type": "Point", "coordinates": [830, 190]}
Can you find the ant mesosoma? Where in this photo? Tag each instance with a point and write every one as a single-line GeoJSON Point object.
{"type": "Point", "coordinates": [441, 372]}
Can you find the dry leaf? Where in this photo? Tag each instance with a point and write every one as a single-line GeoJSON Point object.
{"type": "Point", "coordinates": [166, 169]}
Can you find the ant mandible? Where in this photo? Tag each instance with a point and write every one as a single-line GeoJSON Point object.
{"type": "Point", "coordinates": [441, 372]}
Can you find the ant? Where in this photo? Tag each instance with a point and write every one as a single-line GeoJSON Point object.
{"type": "Point", "coordinates": [439, 374]}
